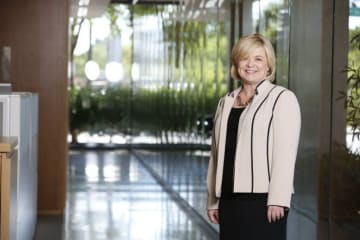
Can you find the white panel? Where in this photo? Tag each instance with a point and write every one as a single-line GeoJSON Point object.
{"type": "Point", "coordinates": [5, 101]}
{"type": "Point", "coordinates": [20, 119]}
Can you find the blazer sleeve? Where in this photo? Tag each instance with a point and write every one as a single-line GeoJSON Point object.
{"type": "Point", "coordinates": [286, 133]}
{"type": "Point", "coordinates": [212, 200]}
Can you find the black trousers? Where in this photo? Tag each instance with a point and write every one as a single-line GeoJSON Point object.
{"type": "Point", "coordinates": [245, 218]}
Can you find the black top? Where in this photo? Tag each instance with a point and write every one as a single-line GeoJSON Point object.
{"type": "Point", "coordinates": [227, 187]}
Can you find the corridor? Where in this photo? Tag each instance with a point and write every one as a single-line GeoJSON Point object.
{"type": "Point", "coordinates": [137, 196]}
{"type": "Point", "coordinates": [140, 195]}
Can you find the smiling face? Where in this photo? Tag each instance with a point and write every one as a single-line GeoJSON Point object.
{"type": "Point", "coordinates": [254, 67]}
{"type": "Point", "coordinates": [253, 59]}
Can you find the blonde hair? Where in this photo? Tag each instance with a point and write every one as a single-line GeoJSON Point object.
{"type": "Point", "coordinates": [245, 45]}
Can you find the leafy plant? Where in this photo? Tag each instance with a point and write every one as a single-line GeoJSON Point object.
{"type": "Point", "coordinates": [352, 102]}
{"type": "Point", "coordinates": [195, 59]}
{"type": "Point", "coordinates": [352, 96]}
{"type": "Point", "coordinates": [82, 110]}
{"type": "Point", "coordinates": [98, 110]}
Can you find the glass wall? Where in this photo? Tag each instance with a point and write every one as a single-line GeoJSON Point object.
{"type": "Point", "coordinates": [353, 70]}
{"type": "Point", "coordinates": [311, 48]}
{"type": "Point", "coordinates": [344, 182]}
{"type": "Point", "coordinates": [174, 66]}
{"type": "Point", "coordinates": [160, 69]}
{"type": "Point", "coordinates": [272, 19]}
{"type": "Point", "coordinates": [183, 62]}
{"type": "Point", "coordinates": [171, 65]}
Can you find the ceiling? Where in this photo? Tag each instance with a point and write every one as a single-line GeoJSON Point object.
{"type": "Point", "coordinates": [146, 1]}
{"type": "Point", "coordinates": [193, 9]}
{"type": "Point", "coordinates": [88, 8]}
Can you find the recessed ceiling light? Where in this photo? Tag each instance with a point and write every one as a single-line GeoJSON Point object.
{"type": "Point", "coordinates": [84, 2]}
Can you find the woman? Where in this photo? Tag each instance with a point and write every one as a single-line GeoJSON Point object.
{"type": "Point", "coordinates": [254, 145]}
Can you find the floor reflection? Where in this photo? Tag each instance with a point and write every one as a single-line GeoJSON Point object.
{"type": "Point", "coordinates": [185, 172]}
{"type": "Point", "coordinates": [154, 195]}
{"type": "Point", "coordinates": [112, 196]}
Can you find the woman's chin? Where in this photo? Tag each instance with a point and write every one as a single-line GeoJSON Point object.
{"type": "Point", "coordinates": [252, 79]}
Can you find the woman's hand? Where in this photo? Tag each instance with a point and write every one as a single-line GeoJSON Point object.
{"type": "Point", "coordinates": [213, 215]}
{"type": "Point", "coordinates": [275, 213]}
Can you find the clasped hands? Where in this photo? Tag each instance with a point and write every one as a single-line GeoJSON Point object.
{"type": "Point", "coordinates": [274, 213]}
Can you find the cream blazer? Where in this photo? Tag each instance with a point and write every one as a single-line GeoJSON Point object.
{"type": "Point", "coordinates": [267, 142]}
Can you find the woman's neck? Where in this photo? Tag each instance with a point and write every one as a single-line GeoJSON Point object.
{"type": "Point", "coordinates": [248, 89]}
{"type": "Point", "coordinates": [246, 95]}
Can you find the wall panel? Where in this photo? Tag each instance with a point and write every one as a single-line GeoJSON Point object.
{"type": "Point", "coordinates": [37, 31]}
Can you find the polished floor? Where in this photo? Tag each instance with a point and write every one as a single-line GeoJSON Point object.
{"type": "Point", "coordinates": [119, 195]}
{"type": "Point", "coordinates": [141, 195]}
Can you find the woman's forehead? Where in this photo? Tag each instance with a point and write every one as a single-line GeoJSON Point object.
{"type": "Point", "coordinates": [254, 51]}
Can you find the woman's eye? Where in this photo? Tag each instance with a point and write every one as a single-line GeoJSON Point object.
{"type": "Point", "coordinates": [258, 59]}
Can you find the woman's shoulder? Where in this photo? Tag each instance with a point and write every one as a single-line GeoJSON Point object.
{"type": "Point", "coordinates": [284, 98]}
{"type": "Point", "coordinates": [283, 91]}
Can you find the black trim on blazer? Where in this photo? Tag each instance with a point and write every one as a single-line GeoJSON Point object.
{"type": "Point", "coordinates": [267, 147]}
{"type": "Point", "coordinates": [256, 91]}
{"type": "Point", "coordinates": [252, 139]}
{"type": "Point", "coordinates": [268, 134]}
{"type": "Point", "coordinates": [277, 98]}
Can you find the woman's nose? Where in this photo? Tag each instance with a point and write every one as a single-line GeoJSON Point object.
{"type": "Point", "coordinates": [250, 62]}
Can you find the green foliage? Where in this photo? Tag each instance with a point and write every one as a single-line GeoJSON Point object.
{"type": "Point", "coordinates": [355, 39]}
{"type": "Point", "coordinates": [354, 47]}
{"type": "Point", "coordinates": [113, 108]}
{"type": "Point", "coordinates": [352, 97]}
{"type": "Point", "coordinates": [197, 60]}
{"type": "Point", "coordinates": [82, 108]}
{"type": "Point", "coordinates": [352, 100]}
{"type": "Point", "coordinates": [271, 18]}
{"type": "Point", "coordinates": [169, 109]}
{"type": "Point", "coordinates": [164, 109]}
{"type": "Point", "coordinates": [143, 10]}
{"type": "Point", "coordinates": [80, 62]}
{"type": "Point", "coordinates": [126, 60]}
{"type": "Point", "coordinates": [113, 12]}
{"type": "Point", "coordinates": [97, 110]}
{"type": "Point", "coordinates": [99, 53]}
